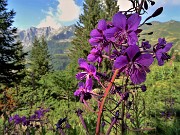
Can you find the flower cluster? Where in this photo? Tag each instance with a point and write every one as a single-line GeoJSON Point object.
{"type": "Point", "coordinates": [25, 121]}
{"type": "Point", "coordinates": [117, 41]}
{"type": "Point", "coordinates": [116, 45]}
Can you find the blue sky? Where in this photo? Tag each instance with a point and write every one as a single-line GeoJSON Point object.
{"type": "Point", "coordinates": [56, 13]}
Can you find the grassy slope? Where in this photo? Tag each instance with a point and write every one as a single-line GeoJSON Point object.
{"type": "Point", "coordinates": [168, 30]}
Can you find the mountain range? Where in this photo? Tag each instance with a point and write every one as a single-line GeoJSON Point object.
{"type": "Point", "coordinates": [63, 34]}
{"type": "Point", "coordinates": [59, 40]}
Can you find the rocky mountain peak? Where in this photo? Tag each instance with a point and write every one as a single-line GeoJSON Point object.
{"type": "Point", "coordinates": [62, 34]}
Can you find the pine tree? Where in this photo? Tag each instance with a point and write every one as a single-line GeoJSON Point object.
{"type": "Point", "coordinates": [87, 21]}
{"type": "Point", "coordinates": [39, 65]}
{"type": "Point", "coordinates": [94, 10]}
{"type": "Point", "coordinates": [12, 58]}
{"type": "Point", "coordinates": [40, 58]}
{"type": "Point", "coordinates": [110, 7]}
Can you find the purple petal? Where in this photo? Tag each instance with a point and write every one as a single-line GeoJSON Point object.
{"type": "Point", "coordinates": [132, 38]}
{"type": "Point", "coordinates": [167, 47]}
{"type": "Point", "coordinates": [89, 84]}
{"type": "Point", "coordinates": [11, 119]}
{"type": "Point", "coordinates": [161, 41]}
{"type": "Point", "coordinates": [81, 60]}
{"type": "Point", "coordinates": [158, 56]}
{"type": "Point", "coordinates": [132, 51]}
{"type": "Point", "coordinates": [92, 69]}
{"type": "Point", "coordinates": [81, 75]}
{"type": "Point", "coordinates": [137, 77]}
{"type": "Point", "coordinates": [95, 41]}
{"type": "Point", "coordinates": [145, 60]}
{"type": "Point", "coordinates": [100, 59]}
{"type": "Point", "coordinates": [95, 33]}
{"type": "Point", "coordinates": [119, 20]}
{"type": "Point", "coordinates": [133, 22]}
{"type": "Point", "coordinates": [107, 48]}
{"type": "Point", "coordinates": [77, 92]}
{"type": "Point", "coordinates": [120, 62]}
{"type": "Point", "coordinates": [80, 84]}
{"type": "Point", "coordinates": [102, 25]}
{"type": "Point", "coordinates": [109, 33]}
{"type": "Point", "coordinates": [92, 58]}
{"type": "Point", "coordinates": [146, 45]}
{"type": "Point", "coordinates": [94, 51]}
{"type": "Point", "coordinates": [82, 63]}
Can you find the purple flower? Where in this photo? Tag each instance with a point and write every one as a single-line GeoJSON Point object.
{"type": "Point", "coordinates": [11, 119]}
{"type": "Point", "coordinates": [145, 45]}
{"type": "Point", "coordinates": [128, 115]}
{"type": "Point", "coordinates": [40, 113]}
{"type": "Point", "coordinates": [143, 88]}
{"type": "Point", "coordinates": [161, 51]}
{"type": "Point", "coordinates": [17, 119]}
{"type": "Point", "coordinates": [84, 91]}
{"type": "Point", "coordinates": [82, 88]}
{"type": "Point", "coordinates": [33, 116]}
{"type": "Point", "coordinates": [125, 29]}
{"type": "Point", "coordinates": [89, 70]}
{"type": "Point", "coordinates": [95, 56]}
{"type": "Point", "coordinates": [134, 64]}
{"type": "Point", "coordinates": [97, 36]}
{"type": "Point", "coordinates": [25, 121]}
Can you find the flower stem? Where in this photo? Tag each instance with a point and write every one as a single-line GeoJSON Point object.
{"type": "Point", "coordinates": [103, 101]}
{"type": "Point", "coordinates": [113, 122]}
{"type": "Point", "coordinates": [83, 123]}
{"type": "Point", "coordinates": [122, 124]}
{"type": "Point", "coordinates": [61, 131]}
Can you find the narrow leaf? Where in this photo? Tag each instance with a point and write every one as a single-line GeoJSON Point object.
{"type": "Point", "coordinates": [145, 5]}
{"type": "Point", "coordinates": [148, 23]}
{"type": "Point", "coordinates": [152, 3]}
{"type": "Point", "coordinates": [157, 12]}
{"type": "Point", "coordinates": [150, 33]}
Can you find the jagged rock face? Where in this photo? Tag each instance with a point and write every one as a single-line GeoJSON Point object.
{"type": "Point", "coordinates": [63, 34]}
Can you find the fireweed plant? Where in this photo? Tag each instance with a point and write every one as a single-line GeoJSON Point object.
{"type": "Point", "coordinates": [130, 59]}
{"type": "Point", "coordinates": [30, 124]}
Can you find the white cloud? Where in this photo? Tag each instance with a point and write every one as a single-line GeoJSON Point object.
{"type": "Point", "coordinates": [66, 11]}
{"type": "Point", "coordinates": [124, 5]}
{"type": "Point", "coordinates": [49, 21]}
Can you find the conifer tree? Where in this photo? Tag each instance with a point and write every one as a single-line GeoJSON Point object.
{"type": "Point", "coordinates": [39, 65]}
{"type": "Point", "coordinates": [94, 10]}
{"type": "Point", "coordinates": [87, 21]}
{"type": "Point", "coordinates": [11, 53]}
{"type": "Point", "coordinates": [39, 58]}
{"type": "Point", "coordinates": [110, 7]}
